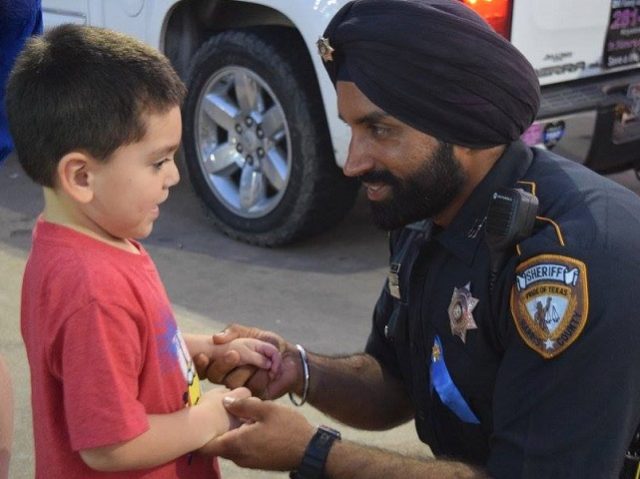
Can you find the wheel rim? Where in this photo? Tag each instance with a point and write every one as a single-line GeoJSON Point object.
{"type": "Point", "coordinates": [243, 142]}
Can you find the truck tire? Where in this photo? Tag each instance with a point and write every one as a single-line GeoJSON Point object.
{"type": "Point", "coordinates": [256, 141]}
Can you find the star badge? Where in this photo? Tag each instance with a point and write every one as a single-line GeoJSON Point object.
{"type": "Point", "coordinates": [460, 311]}
{"type": "Point", "coordinates": [325, 49]}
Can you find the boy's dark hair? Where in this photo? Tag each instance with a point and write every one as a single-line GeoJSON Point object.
{"type": "Point", "coordinates": [84, 89]}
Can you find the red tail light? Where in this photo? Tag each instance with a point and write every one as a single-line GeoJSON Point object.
{"type": "Point", "coordinates": [497, 13]}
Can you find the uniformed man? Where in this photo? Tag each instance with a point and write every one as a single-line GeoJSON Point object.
{"type": "Point", "coordinates": [528, 368]}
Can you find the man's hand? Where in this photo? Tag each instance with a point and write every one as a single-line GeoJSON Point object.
{"type": "Point", "coordinates": [273, 437]}
{"type": "Point", "coordinates": [227, 371]}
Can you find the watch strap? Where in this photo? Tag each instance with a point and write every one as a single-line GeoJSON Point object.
{"type": "Point", "coordinates": [315, 456]}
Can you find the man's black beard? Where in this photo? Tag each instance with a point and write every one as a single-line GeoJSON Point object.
{"type": "Point", "coordinates": [423, 195]}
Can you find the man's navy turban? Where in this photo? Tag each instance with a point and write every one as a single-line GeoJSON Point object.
{"type": "Point", "coordinates": [437, 66]}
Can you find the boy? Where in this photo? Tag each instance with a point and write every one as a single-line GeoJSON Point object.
{"type": "Point", "coordinates": [95, 117]}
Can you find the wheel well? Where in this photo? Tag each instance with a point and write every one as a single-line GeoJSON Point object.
{"type": "Point", "coordinates": [191, 22]}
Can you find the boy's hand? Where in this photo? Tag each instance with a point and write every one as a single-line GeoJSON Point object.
{"type": "Point", "coordinates": [228, 371]}
{"type": "Point", "coordinates": [221, 420]}
{"type": "Point", "coordinates": [249, 351]}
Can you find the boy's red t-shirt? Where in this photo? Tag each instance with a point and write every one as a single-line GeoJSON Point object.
{"type": "Point", "coordinates": [104, 351]}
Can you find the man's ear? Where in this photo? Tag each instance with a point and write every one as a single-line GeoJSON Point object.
{"type": "Point", "coordinates": [75, 176]}
{"type": "Point", "coordinates": [466, 157]}
{"type": "Point", "coordinates": [478, 158]}
{"type": "Point", "coordinates": [460, 151]}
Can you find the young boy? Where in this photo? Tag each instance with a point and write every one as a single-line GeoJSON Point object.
{"type": "Point", "coordinates": [95, 117]}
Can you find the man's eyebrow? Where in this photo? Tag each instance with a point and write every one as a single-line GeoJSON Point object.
{"type": "Point", "coordinates": [369, 118]}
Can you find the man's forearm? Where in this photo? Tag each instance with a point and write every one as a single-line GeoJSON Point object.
{"type": "Point", "coordinates": [348, 460]}
{"type": "Point", "coordinates": [356, 391]}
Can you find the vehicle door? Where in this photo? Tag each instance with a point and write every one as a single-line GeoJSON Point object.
{"type": "Point", "coordinates": [57, 12]}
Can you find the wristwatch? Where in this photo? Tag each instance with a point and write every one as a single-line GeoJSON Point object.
{"type": "Point", "coordinates": [315, 456]}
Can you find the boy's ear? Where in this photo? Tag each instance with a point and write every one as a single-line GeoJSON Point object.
{"type": "Point", "coordinates": [75, 176]}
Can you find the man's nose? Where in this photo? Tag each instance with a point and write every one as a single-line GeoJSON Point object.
{"type": "Point", "coordinates": [359, 161]}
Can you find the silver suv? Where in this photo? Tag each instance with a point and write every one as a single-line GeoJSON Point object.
{"type": "Point", "coordinates": [262, 140]}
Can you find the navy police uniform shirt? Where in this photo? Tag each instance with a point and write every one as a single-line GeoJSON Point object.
{"type": "Point", "coordinates": [539, 375]}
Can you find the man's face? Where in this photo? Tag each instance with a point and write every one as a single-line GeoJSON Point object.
{"type": "Point", "coordinates": [408, 175]}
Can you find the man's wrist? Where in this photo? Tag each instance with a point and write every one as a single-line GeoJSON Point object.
{"type": "Point", "coordinates": [315, 456]}
{"type": "Point", "coordinates": [301, 388]}
{"type": "Point", "coordinates": [292, 355]}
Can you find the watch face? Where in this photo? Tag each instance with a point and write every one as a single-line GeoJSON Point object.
{"type": "Point", "coordinates": [335, 433]}
{"type": "Point", "coordinates": [325, 439]}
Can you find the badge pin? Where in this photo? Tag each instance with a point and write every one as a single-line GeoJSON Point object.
{"type": "Point", "coordinates": [460, 311]}
{"type": "Point", "coordinates": [435, 352]}
{"type": "Point", "coordinates": [325, 49]}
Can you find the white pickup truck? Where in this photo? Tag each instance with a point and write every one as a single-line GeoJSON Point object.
{"type": "Point", "coordinates": [262, 140]}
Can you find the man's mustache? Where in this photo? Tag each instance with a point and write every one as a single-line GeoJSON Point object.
{"type": "Point", "coordinates": [380, 176]}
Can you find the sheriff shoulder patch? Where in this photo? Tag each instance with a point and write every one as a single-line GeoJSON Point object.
{"type": "Point", "coordinates": [550, 302]}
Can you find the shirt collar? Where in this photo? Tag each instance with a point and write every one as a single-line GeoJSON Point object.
{"type": "Point", "coordinates": [463, 235]}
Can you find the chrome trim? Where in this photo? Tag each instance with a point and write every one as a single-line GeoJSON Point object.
{"type": "Point", "coordinates": [65, 13]}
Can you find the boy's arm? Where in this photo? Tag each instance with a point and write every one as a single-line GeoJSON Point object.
{"type": "Point", "coordinates": [189, 429]}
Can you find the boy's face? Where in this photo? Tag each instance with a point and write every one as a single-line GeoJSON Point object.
{"type": "Point", "coordinates": [128, 189]}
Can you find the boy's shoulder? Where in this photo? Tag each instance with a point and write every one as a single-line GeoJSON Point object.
{"type": "Point", "coordinates": [68, 272]}
{"type": "Point", "coordinates": [69, 257]}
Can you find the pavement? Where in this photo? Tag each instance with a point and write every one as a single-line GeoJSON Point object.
{"type": "Point", "coordinates": [320, 293]}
